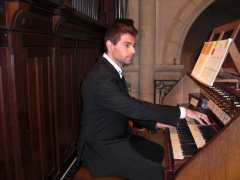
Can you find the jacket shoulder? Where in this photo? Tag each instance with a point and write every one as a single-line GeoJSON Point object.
{"type": "Point", "coordinates": [101, 70]}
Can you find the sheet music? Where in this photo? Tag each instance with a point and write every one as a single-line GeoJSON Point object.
{"type": "Point", "coordinates": [210, 61]}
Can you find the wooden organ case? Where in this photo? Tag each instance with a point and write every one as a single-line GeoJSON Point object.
{"type": "Point", "coordinates": [45, 52]}
{"type": "Point", "coordinates": [209, 152]}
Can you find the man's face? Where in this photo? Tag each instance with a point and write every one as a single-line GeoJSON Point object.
{"type": "Point", "coordinates": [122, 52]}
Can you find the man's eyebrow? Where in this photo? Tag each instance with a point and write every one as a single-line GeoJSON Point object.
{"type": "Point", "coordinates": [128, 42]}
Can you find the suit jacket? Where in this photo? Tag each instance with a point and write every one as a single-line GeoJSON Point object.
{"type": "Point", "coordinates": [107, 107]}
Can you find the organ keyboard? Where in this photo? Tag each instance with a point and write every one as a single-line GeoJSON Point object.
{"type": "Point", "coordinates": [209, 152]}
{"type": "Point", "coordinates": [188, 138]}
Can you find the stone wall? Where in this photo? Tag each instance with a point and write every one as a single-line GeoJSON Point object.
{"type": "Point", "coordinates": [163, 26]}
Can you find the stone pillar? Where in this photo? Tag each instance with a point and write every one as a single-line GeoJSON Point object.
{"type": "Point", "coordinates": [132, 71]}
{"type": "Point", "coordinates": [133, 13]}
{"type": "Point", "coordinates": [147, 26]}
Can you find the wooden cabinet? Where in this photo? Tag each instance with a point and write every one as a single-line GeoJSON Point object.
{"type": "Point", "coordinates": [44, 57]}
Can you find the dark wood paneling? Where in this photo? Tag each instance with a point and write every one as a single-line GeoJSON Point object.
{"type": "Point", "coordinates": [31, 41]}
{"type": "Point", "coordinates": [10, 156]}
{"type": "Point", "coordinates": [34, 22]}
{"type": "Point", "coordinates": [46, 3]}
{"type": "Point", "coordinates": [2, 14]}
{"type": "Point", "coordinates": [3, 38]}
{"type": "Point", "coordinates": [77, 46]}
{"type": "Point", "coordinates": [4, 158]}
{"type": "Point", "coordinates": [32, 84]}
{"type": "Point", "coordinates": [40, 112]}
{"type": "Point", "coordinates": [44, 58]}
{"type": "Point", "coordinates": [35, 103]}
{"type": "Point", "coordinates": [71, 68]}
{"type": "Point", "coordinates": [66, 123]}
{"type": "Point", "coordinates": [70, 26]}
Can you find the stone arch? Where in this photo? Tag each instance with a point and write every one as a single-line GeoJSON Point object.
{"type": "Point", "coordinates": [181, 25]}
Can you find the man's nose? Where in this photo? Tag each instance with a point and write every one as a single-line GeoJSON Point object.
{"type": "Point", "coordinates": [133, 50]}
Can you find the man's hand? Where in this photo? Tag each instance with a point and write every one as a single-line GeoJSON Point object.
{"type": "Point", "coordinates": [201, 118]}
{"type": "Point", "coordinates": [162, 126]}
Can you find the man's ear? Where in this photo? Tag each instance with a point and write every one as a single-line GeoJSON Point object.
{"type": "Point", "coordinates": [109, 45]}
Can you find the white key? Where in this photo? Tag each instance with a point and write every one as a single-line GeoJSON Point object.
{"type": "Point", "coordinates": [197, 136]}
{"type": "Point", "coordinates": [176, 145]}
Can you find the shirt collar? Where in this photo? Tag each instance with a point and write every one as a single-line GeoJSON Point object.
{"type": "Point", "coordinates": [118, 69]}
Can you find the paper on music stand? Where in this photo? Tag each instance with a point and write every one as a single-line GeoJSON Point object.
{"type": "Point", "coordinates": [210, 61]}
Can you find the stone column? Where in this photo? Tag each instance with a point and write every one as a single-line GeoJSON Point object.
{"type": "Point", "coordinates": [133, 13]}
{"type": "Point", "coordinates": [132, 71]}
{"type": "Point", "coordinates": [147, 26]}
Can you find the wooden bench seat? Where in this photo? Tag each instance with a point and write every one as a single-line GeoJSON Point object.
{"type": "Point", "coordinates": [84, 174]}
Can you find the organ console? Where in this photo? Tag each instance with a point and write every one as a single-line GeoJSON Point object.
{"type": "Point", "coordinates": [210, 151]}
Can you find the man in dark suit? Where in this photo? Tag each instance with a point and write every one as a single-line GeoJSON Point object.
{"type": "Point", "coordinates": [107, 145]}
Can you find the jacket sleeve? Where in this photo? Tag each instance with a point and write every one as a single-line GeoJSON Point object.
{"type": "Point", "coordinates": [151, 125]}
{"type": "Point", "coordinates": [109, 96]}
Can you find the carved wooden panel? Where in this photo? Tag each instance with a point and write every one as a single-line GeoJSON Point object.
{"type": "Point", "coordinates": [4, 158]}
{"type": "Point", "coordinates": [10, 152]}
{"type": "Point", "coordinates": [33, 71]}
{"type": "Point", "coordinates": [77, 46]}
{"type": "Point", "coordinates": [31, 83]}
{"type": "Point", "coordinates": [47, 5]}
{"type": "Point", "coordinates": [77, 28]}
{"type": "Point", "coordinates": [72, 64]}
{"type": "Point", "coordinates": [42, 65]}
{"type": "Point", "coordinates": [33, 22]}
{"type": "Point", "coordinates": [67, 122]}
{"type": "Point", "coordinates": [1, 14]}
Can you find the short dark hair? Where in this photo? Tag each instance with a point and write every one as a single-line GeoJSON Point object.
{"type": "Point", "coordinates": [119, 28]}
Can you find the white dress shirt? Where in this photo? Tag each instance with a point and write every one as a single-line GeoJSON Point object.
{"type": "Point", "coordinates": [118, 69]}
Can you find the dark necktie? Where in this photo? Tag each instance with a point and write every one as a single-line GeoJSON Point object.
{"type": "Point", "coordinates": [124, 83]}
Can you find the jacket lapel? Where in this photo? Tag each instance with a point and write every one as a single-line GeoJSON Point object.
{"type": "Point", "coordinates": [120, 81]}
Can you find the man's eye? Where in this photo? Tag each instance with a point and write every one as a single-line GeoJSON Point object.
{"type": "Point", "coordinates": [129, 45]}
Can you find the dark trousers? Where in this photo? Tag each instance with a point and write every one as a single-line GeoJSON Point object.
{"type": "Point", "coordinates": [133, 159]}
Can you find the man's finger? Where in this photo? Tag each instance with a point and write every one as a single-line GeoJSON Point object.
{"type": "Point", "coordinates": [205, 119]}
